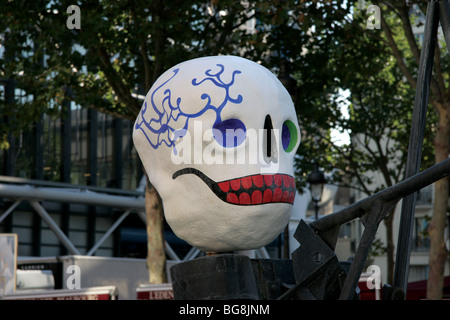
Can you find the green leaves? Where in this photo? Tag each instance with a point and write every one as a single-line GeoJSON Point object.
{"type": "Point", "coordinates": [123, 46]}
{"type": "Point", "coordinates": [4, 143]}
{"type": "Point", "coordinates": [342, 55]}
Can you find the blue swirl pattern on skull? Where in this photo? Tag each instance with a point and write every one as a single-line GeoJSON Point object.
{"type": "Point", "coordinates": [168, 122]}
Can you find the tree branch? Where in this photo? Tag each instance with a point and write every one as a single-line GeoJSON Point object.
{"type": "Point", "coordinates": [382, 164]}
{"type": "Point", "coordinates": [354, 166]}
{"type": "Point", "coordinates": [122, 91]}
{"type": "Point", "coordinates": [397, 54]}
{"type": "Point", "coordinates": [403, 14]}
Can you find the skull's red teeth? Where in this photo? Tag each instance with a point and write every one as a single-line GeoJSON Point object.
{"type": "Point", "coordinates": [259, 189]}
{"type": "Point", "coordinates": [235, 184]}
{"type": "Point", "coordinates": [267, 196]}
{"type": "Point", "coordinates": [258, 180]}
{"type": "Point", "coordinates": [244, 198]}
{"type": "Point", "coordinates": [268, 179]}
{"type": "Point", "coordinates": [232, 198]}
{"type": "Point", "coordinates": [247, 182]}
{"type": "Point", "coordinates": [256, 197]}
{"type": "Point", "coordinates": [278, 179]}
{"type": "Point", "coordinates": [250, 190]}
{"type": "Point", "coordinates": [224, 186]}
{"type": "Point", "coordinates": [286, 180]}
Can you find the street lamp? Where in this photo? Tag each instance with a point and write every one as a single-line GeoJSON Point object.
{"type": "Point", "coordinates": [316, 181]}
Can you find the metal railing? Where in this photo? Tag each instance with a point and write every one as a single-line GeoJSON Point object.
{"type": "Point", "coordinates": [20, 190]}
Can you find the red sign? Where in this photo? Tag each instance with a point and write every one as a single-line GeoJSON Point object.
{"type": "Point", "coordinates": [155, 292]}
{"type": "Point", "coordinates": [95, 293]}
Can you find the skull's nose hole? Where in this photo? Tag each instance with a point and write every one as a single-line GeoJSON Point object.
{"type": "Point", "coordinates": [268, 127]}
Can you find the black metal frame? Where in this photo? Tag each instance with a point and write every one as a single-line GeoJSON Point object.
{"type": "Point", "coordinates": [318, 273]}
{"type": "Point", "coordinates": [314, 273]}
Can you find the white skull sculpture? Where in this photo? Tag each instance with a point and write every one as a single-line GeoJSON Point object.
{"type": "Point", "coordinates": [217, 137]}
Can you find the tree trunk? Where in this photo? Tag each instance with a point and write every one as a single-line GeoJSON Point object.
{"type": "Point", "coordinates": [156, 257]}
{"type": "Point", "coordinates": [438, 251]}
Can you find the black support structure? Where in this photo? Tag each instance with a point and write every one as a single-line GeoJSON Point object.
{"type": "Point", "coordinates": [318, 273]}
{"type": "Point", "coordinates": [433, 15]}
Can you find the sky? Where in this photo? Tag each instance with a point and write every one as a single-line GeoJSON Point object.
{"type": "Point", "coordinates": [338, 137]}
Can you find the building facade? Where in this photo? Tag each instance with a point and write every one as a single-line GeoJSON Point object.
{"type": "Point", "coordinates": [79, 148]}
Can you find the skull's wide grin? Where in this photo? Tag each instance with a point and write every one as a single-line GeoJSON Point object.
{"type": "Point", "coordinates": [249, 190]}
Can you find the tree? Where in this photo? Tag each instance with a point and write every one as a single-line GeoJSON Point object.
{"type": "Point", "coordinates": [355, 58]}
{"type": "Point", "coordinates": [379, 121]}
{"type": "Point", "coordinates": [440, 101]}
{"type": "Point", "coordinates": [113, 52]}
{"type": "Point", "coordinates": [358, 60]}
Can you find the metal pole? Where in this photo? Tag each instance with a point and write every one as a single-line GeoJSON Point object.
{"type": "Point", "coordinates": [61, 236]}
{"type": "Point", "coordinates": [10, 209]}
{"type": "Point", "coordinates": [10, 164]}
{"type": "Point", "coordinates": [170, 252]}
{"type": "Point", "coordinates": [377, 213]}
{"type": "Point", "coordinates": [415, 145]}
{"type": "Point", "coordinates": [108, 233]}
{"type": "Point", "coordinates": [191, 254]}
{"type": "Point", "coordinates": [263, 253]}
{"type": "Point", "coordinates": [395, 192]}
{"type": "Point", "coordinates": [70, 196]}
{"type": "Point", "coordinates": [316, 209]}
{"type": "Point", "coordinates": [66, 137]}
{"type": "Point", "coordinates": [351, 281]}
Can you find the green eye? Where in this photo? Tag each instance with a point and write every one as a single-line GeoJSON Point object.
{"type": "Point", "coordinates": [289, 136]}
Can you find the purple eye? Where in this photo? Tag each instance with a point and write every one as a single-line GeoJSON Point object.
{"type": "Point", "coordinates": [289, 135]}
{"type": "Point", "coordinates": [229, 133]}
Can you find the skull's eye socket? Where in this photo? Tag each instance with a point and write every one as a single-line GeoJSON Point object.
{"type": "Point", "coordinates": [289, 135]}
{"type": "Point", "coordinates": [229, 133]}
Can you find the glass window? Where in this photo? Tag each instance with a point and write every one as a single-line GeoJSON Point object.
{"type": "Point", "coordinates": [105, 152]}
{"type": "Point", "coordinates": [132, 170]}
{"type": "Point", "coordinates": [43, 151]}
{"type": "Point", "coordinates": [52, 147]}
{"type": "Point", "coordinates": [79, 146]}
{"type": "Point", "coordinates": [421, 236]}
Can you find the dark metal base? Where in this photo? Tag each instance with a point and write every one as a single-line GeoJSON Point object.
{"type": "Point", "coordinates": [231, 277]}
{"type": "Point", "coordinates": [218, 277]}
